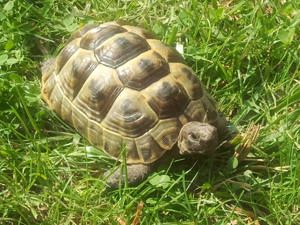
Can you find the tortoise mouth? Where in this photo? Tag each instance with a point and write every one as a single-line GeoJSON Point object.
{"type": "Point", "coordinates": [201, 150]}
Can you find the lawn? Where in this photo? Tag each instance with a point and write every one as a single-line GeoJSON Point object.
{"type": "Point", "coordinates": [247, 54]}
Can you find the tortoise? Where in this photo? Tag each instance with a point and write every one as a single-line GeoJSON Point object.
{"type": "Point", "coordinates": [118, 85]}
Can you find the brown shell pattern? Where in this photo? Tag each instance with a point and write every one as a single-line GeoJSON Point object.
{"type": "Point", "coordinates": [118, 85]}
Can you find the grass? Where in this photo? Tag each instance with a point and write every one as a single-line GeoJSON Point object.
{"type": "Point", "coordinates": [247, 54]}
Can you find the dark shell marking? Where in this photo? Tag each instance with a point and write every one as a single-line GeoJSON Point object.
{"type": "Point", "coordinates": [167, 98]}
{"type": "Point", "coordinates": [102, 84]}
{"type": "Point", "coordinates": [66, 54]}
{"type": "Point", "coordinates": [76, 72]}
{"type": "Point", "coordinates": [130, 115]}
{"type": "Point", "coordinates": [143, 70]}
{"type": "Point", "coordinates": [119, 49]}
{"type": "Point", "coordinates": [95, 38]}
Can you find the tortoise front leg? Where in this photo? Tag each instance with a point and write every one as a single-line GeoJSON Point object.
{"type": "Point", "coordinates": [135, 174]}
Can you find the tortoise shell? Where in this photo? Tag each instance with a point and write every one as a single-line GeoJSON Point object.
{"type": "Point", "coordinates": [118, 85]}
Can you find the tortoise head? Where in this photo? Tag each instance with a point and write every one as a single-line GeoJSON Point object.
{"type": "Point", "coordinates": [197, 138]}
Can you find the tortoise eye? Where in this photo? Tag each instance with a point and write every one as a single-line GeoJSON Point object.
{"type": "Point", "coordinates": [193, 136]}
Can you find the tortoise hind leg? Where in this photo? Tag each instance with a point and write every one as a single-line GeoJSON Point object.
{"type": "Point", "coordinates": [135, 174]}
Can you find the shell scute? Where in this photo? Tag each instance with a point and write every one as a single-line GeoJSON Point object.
{"type": "Point", "coordinates": [67, 52]}
{"type": "Point", "coordinates": [76, 72]}
{"type": "Point", "coordinates": [95, 133]}
{"type": "Point", "coordinates": [168, 53]}
{"type": "Point", "coordinates": [185, 76]}
{"type": "Point", "coordinates": [96, 37]}
{"type": "Point", "coordinates": [120, 48]}
{"type": "Point", "coordinates": [143, 70]}
{"type": "Point", "coordinates": [166, 97]}
{"type": "Point", "coordinates": [83, 30]}
{"type": "Point", "coordinates": [165, 132]}
{"type": "Point", "coordinates": [148, 148]}
{"type": "Point", "coordinates": [130, 115]}
{"type": "Point", "coordinates": [98, 93]}
{"type": "Point", "coordinates": [139, 31]}
{"type": "Point", "coordinates": [79, 121]}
